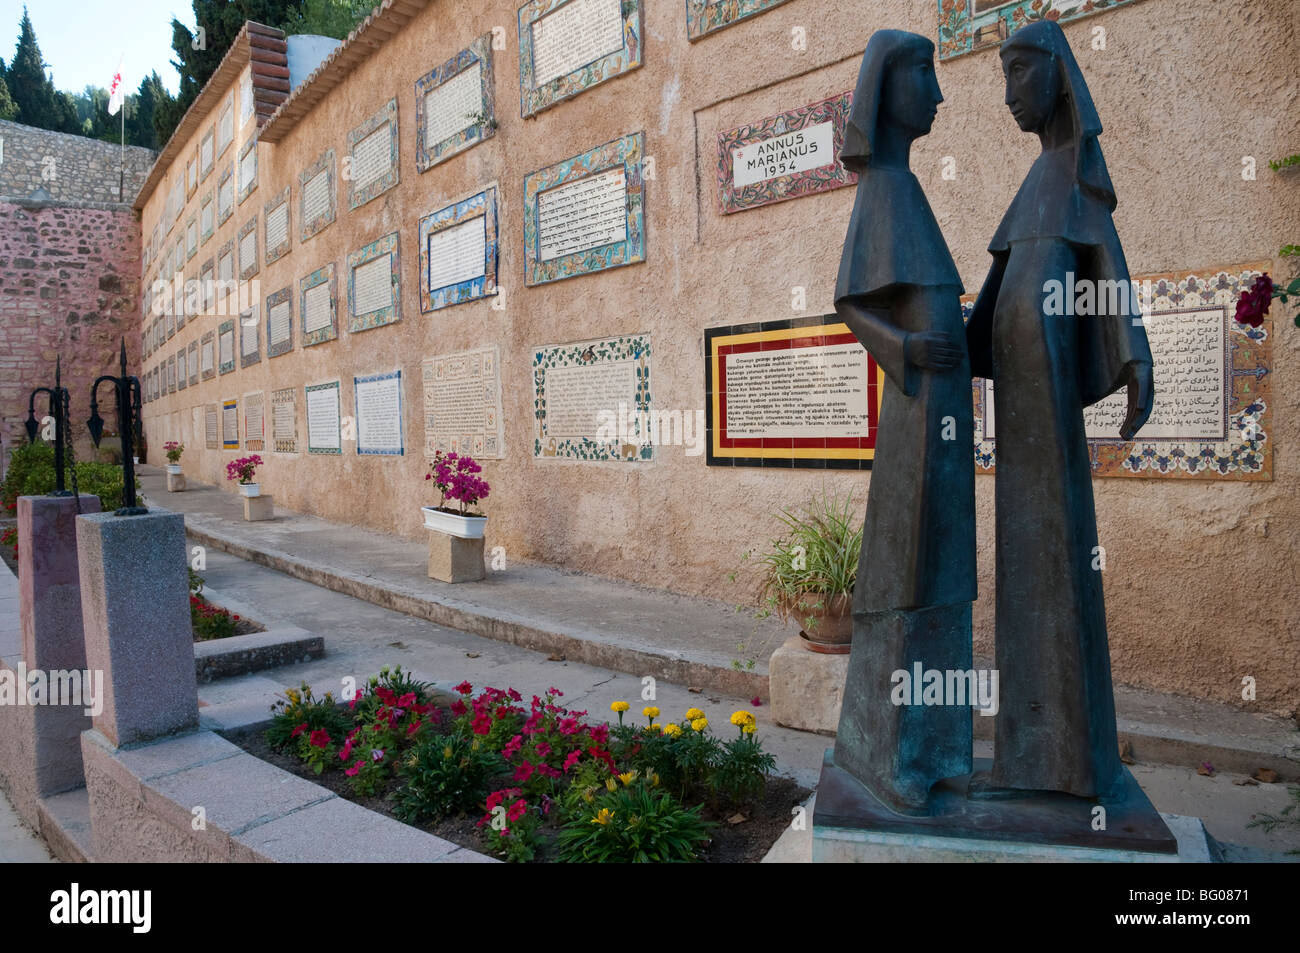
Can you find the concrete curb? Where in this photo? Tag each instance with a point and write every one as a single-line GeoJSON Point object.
{"type": "Point", "coordinates": [592, 650]}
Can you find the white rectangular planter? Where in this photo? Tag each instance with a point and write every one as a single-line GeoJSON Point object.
{"type": "Point", "coordinates": [249, 489]}
{"type": "Point", "coordinates": [463, 527]}
{"type": "Point", "coordinates": [174, 468]}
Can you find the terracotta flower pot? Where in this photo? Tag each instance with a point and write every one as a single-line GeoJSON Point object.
{"type": "Point", "coordinates": [832, 623]}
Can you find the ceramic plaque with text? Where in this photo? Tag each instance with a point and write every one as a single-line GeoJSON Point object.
{"type": "Point", "coordinates": [374, 285]}
{"type": "Point", "coordinates": [455, 105]}
{"type": "Point", "coordinates": [378, 399]}
{"type": "Point", "coordinates": [968, 25]}
{"type": "Point", "coordinates": [785, 156]}
{"type": "Point", "coordinates": [318, 304]}
{"type": "Point", "coordinates": [586, 213]}
{"type": "Point", "coordinates": [372, 156]}
{"type": "Point", "coordinates": [567, 46]}
{"type": "Point", "coordinates": [708, 16]}
{"type": "Point", "coordinates": [458, 252]}
{"type": "Point", "coordinates": [316, 195]}
{"type": "Point", "coordinates": [324, 433]}
{"type": "Point", "coordinates": [591, 400]}
{"type": "Point", "coordinates": [462, 403]}
{"type": "Point", "coordinates": [800, 392]}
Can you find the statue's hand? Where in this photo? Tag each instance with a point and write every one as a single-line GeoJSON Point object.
{"type": "Point", "coordinates": [1140, 393]}
{"type": "Point", "coordinates": [933, 350]}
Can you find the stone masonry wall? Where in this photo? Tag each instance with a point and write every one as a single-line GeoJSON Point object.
{"type": "Point", "coordinates": [69, 168]}
{"type": "Point", "coordinates": [69, 287]}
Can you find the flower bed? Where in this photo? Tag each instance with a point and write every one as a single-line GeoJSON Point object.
{"type": "Point", "coordinates": [213, 622]}
{"type": "Point", "coordinates": [535, 781]}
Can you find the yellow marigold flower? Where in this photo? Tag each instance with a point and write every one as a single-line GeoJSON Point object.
{"type": "Point", "coordinates": [650, 712]}
{"type": "Point", "coordinates": [742, 718]}
{"type": "Point", "coordinates": [672, 730]}
{"type": "Point", "coordinates": [611, 785]}
{"type": "Point", "coordinates": [699, 724]}
{"type": "Point", "coordinates": [589, 795]}
{"type": "Point", "coordinates": [693, 713]}
{"type": "Point", "coordinates": [447, 753]}
{"type": "Point", "coordinates": [619, 706]}
{"type": "Point", "coordinates": [627, 777]}
{"type": "Point", "coordinates": [604, 816]}
{"type": "Point", "coordinates": [293, 696]}
{"type": "Point", "coordinates": [748, 729]}
{"type": "Point", "coordinates": [654, 780]}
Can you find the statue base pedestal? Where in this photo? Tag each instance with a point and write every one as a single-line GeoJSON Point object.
{"type": "Point", "coordinates": [851, 826]}
{"type": "Point", "coordinates": [258, 508]}
{"type": "Point", "coordinates": [807, 688]}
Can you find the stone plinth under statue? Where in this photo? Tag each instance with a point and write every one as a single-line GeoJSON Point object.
{"type": "Point", "coordinates": [850, 825]}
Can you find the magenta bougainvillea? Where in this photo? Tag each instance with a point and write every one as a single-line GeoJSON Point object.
{"type": "Point", "coordinates": [456, 477]}
{"type": "Point", "coordinates": [243, 469]}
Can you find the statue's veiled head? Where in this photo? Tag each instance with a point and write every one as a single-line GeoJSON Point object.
{"type": "Point", "coordinates": [1043, 84]}
{"type": "Point", "coordinates": [897, 94]}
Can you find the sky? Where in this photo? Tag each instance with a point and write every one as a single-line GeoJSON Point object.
{"type": "Point", "coordinates": [82, 41]}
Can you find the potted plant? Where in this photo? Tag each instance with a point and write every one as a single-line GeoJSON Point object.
{"type": "Point", "coordinates": [243, 470]}
{"type": "Point", "coordinates": [808, 573]}
{"type": "Point", "coordinates": [173, 451]}
{"type": "Point", "coordinates": [456, 478]}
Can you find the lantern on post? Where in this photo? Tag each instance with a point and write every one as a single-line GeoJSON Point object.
{"type": "Point", "coordinates": [59, 411]}
{"type": "Point", "coordinates": [127, 390]}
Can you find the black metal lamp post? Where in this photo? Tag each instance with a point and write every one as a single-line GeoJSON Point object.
{"type": "Point", "coordinates": [127, 389]}
{"type": "Point", "coordinates": [59, 411]}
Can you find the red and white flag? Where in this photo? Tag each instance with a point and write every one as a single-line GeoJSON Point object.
{"type": "Point", "coordinates": [116, 92]}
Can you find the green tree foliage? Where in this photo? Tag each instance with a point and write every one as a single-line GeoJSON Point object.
{"type": "Point", "coordinates": [8, 108]}
{"type": "Point", "coordinates": [334, 18]}
{"type": "Point", "coordinates": [199, 53]}
{"type": "Point", "coordinates": [31, 89]}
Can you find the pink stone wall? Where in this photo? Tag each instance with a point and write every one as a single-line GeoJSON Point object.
{"type": "Point", "coordinates": [69, 287]}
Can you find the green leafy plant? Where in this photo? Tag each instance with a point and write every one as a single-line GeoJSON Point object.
{"type": "Point", "coordinates": [1288, 816]}
{"type": "Point", "coordinates": [300, 707]}
{"type": "Point", "coordinates": [31, 473]}
{"type": "Point", "coordinates": [445, 775]}
{"type": "Point", "coordinates": [812, 566]}
{"type": "Point", "coordinates": [211, 622]}
{"type": "Point", "coordinates": [635, 822]}
{"type": "Point", "coordinates": [393, 680]}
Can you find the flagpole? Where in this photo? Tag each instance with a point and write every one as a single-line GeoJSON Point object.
{"type": "Point", "coordinates": [121, 158]}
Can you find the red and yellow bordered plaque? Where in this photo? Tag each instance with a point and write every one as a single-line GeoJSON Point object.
{"type": "Point", "coordinates": [796, 393]}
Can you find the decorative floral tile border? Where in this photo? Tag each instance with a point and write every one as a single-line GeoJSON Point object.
{"type": "Point", "coordinates": [969, 25]}
{"type": "Point", "coordinates": [276, 252]}
{"type": "Point", "coordinates": [627, 152]}
{"type": "Point", "coordinates": [483, 366]}
{"type": "Point", "coordinates": [358, 197]}
{"type": "Point", "coordinates": [388, 245]}
{"type": "Point", "coordinates": [255, 401]}
{"type": "Point", "coordinates": [248, 188]}
{"type": "Point", "coordinates": [282, 443]}
{"type": "Point", "coordinates": [229, 441]}
{"type": "Point", "coordinates": [806, 181]}
{"type": "Point", "coordinates": [337, 386]}
{"type": "Point", "coordinates": [635, 348]}
{"type": "Point", "coordinates": [705, 16]}
{"type": "Point", "coordinates": [312, 226]}
{"type": "Point", "coordinates": [247, 269]}
{"type": "Point", "coordinates": [283, 296]}
{"type": "Point", "coordinates": [226, 327]}
{"type": "Point", "coordinates": [250, 333]}
{"type": "Point", "coordinates": [482, 205]}
{"type": "Point", "coordinates": [1247, 451]}
{"type": "Point", "coordinates": [534, 98]}
{"type": "Point", "coordinates": [362, 449]}
{"type": "Point", "coordinates": [429, 154]}
{"type": "Point", "coordinates": [226, 177]}
{"type": "Point", "coordinates": [193, 362]}
{"type": "Point", "coordinates": [208, 343]}
{"type": "Point", "coordinates": [319, 277]}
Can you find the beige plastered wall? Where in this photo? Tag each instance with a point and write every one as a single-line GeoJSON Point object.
{"type": "Point", "coordinates": [1201, 575]}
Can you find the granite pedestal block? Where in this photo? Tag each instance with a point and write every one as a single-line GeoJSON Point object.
{"type": "Point", "coordinates": [49, 587]}
{"type": "Point", "coordinates": [807, 687]}
{"type": "Point", "coordinates": [257, 508]}
{"type": "Point", "coordinates": [135, 607]}
{"type": "Point", "coordinates": [851, 825]}
{"type": "Point", "coordinates": [175, 482]}
{"type": "Point", "coordinates": [452, 559]}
